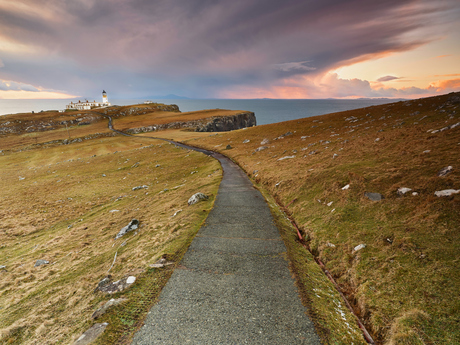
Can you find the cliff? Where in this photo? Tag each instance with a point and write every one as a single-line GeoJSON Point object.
{"type": "Point", "coordinates": [211, 124]}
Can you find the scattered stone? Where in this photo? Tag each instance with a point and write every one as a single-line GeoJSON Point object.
{"type": "Point", "coordinates": [157, 166]}
{"type": "Point", "coordinates": [113, 211]}
{"type": "Point", "coordinates": [359, 247]}
{"type": "Point", "coordinates": [330, 245]}
{"type": "Point", "coordinates": [175, 213]}
{"type": "Point", "coordinates": [446, 192]}
{"type": "Point", "coordinates": [2, 267]}
{"type": "Point", "coordinates": [286, 157]}
{"type": "Point", "coordinates": [104, 175]}
{"type": "Point", "coordinates": [91, 334]}
{"type": "Point", "coordinates": [276, 185]}
{"type": "Point", "coordinates": [197, 198]}
{"type": "Point", "coordinates": [228, 147]}
{"type": "Point", "coordinates": [445, 171]}
{"type": "Point", "coordinates": [374, 196]}
{"type": "Point", "coordinates": [312, 153]}
{"type": "Point", "coordinates": [414, 193]}
{"type": "Point", "coordinates": [265, 141]}
{"type": "Point", "coordinates": [133, 225]}
{"type": "Point", "coordinates": [335, 156]}
{"type": "Point", "coordinates": [330, 203]}
{"type": "Point", "coordinates": [346, 187]}
{"type": "Point", "coordinates": [21, 178]}
{"type": "Point", "coordinates": [41, 262]}
{"type": "Point", "coordinates": [162, 263]}
{"type": "Point", "coordinates": [427, 151]}
{"type": "Point", "coordinates": [261, 148]}
{"type": "Point", "coordinates": [102, 310]}
{"type": "Point", "coordinates": [377, 139]}
{"type": "Point", "coordinates": [117, 286]}
{"type": "Point", "coordinates": [403, 190]}
{"type": "Point", "coordinates": [103, 282]}
{"type": "Point", "coordinates": [140, 187]}
{"type": "Point", "coordinates": [246, 141]}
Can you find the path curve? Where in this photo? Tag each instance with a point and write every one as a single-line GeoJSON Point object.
{"type": "Point", "coordinates": [233, 285]}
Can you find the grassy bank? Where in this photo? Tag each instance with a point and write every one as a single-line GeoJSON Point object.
{"type": "Point", "coordinates": [404, 283]}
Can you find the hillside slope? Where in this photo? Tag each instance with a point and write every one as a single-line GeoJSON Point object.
{"type": "Point", "coordinates": [396, 259]}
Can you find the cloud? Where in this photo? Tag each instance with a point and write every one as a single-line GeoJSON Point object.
{"type": "Point", "coordinates": [6, 85]}
{"type": "Point", "coordinates": [294, 66]}
{"type": "Point", "coordinates": [387, 78]}
{"type": "Point", "coordinates": [1, 63]}
{"type": "Point", "coordinates": [202, 48]}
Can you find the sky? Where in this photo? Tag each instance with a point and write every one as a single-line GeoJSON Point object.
{"type": "Point", "coordinates": [229, 48]}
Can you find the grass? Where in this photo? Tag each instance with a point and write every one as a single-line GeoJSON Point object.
{"type": "Point", "coordinates": [65, 204]}
{"type": "Point", "coordinates": [405, 282]}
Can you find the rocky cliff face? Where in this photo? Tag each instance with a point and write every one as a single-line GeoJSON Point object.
{"type": "Point", "coordinates": [213, 124]}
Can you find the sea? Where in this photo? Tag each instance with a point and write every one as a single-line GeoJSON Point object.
{"type": "Point", "coordinates": [266, 110]}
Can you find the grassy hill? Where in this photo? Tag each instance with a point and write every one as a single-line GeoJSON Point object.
{"type": "Point", "coordinates": [404, 283]}
{"type": "Point", "coordinates": [67, 189]}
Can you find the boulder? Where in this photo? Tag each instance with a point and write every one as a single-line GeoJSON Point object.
{"type": "Point", "coordinates": [403, 190]}
{"type": "Point", "coordinates": [197, 198]}
{"type": "Point", "coordinates": [91, 334]}
{"type": "Point", "coordinates": [228, 147]}
{"type": "Point", "coordinates": [445, 171]}
{"type": "Point", "coordinates": [246, 141]}
{"type": "Point", "coordinates": [265, 141]}
{"type": "Point", "coordinates": [102, 310]}
{"type": "Point", "coordinates": [140, 187]}
{"type": "Point", "coordinates": [374, 196]}
{"type": "Point", "coordinates": [286, 157]}
{"type": "Point", "coordinates": [261, 148]}
{"type": "Point", "coordinates": [133, 225]}
{"type": "Point", "coordinates": [446, 192]}
{"type": "Point", "coordinates": [118, 286]}
{"type": "Point", "coordinates": [359, 247]}
{"type": "Point", "coordinates": [41, 262]}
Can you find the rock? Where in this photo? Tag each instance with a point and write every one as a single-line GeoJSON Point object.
{"type": "Point", "coordinates": [103, 282]}
{"type": "Point", "coordinates": [330, 245]}
{"type": "Point", "coordinates": [140, 187]}
{"type": "Point", "coordinates": [335, 156]}
{"type": "Point", "coordinates": [330, 203]}
{"type": "Point", "coordinates": [117, 286]}
{"type": "Point", "coordinates": [41, 262]}
{"type": "Point", "coordinates": [91, 334]}
{"type": "Point", "coordinates": [414, 193]}
{"type": "Point", "coordinates": [446, 192]}
{"type": "Point", "coordinates": [346, 187]}
{"type": "Point", "coordinates": [403, 190]}
{"type": "Point", "coordinates": [261, 148]}
{"type": "Point", "coordinates": [374, 196]}
{"type": "Point", "coordinates": [286, 157]}
{"type": "Point", "coordinates": [265, 141]}
{"type": "Point", "coordinates": [377, 139]}
{"type": "Point", "coordinates": [197, 198]}
{"type": "Point", "coordinates": [102, 310]}
{"type": "Point", "coordinates": [157, 166]}
{"type": "Point", "coordinates": [246, 141]}
{"type": "Point", "coordinates": [228, 147]}
{"type": "Point", "coordinates": [175, 213]}
{"type": "Point", "coordinates": [133, 225]}
{"type": "Point", "coordinates": [113, 211]}
{"type": "Point", "coordinates": [427, 151]}
{"type": "Point", "coordinates": [2, 267]}
{"type": "Point", "coordinates": [312, 153]}
{"type": "Point", "coordinates": [445, 171]}
{"type": "Point", "coordinates": [359, 247]}
{"type": "Point", "coordinates": [162, 263]}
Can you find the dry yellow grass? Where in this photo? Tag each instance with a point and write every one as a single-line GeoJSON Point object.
{"type": "Point", "coordinates": [66, 203]}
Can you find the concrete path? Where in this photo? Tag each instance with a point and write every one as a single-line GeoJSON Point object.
{"type": "Point", "coordinates": [233, 285]}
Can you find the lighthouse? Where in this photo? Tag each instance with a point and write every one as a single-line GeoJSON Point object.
{"type": "Point", "coordinates": [105, 101]}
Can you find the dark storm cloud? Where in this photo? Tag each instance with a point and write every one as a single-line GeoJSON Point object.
{"type": "Point", "coordinates": [199, 47]}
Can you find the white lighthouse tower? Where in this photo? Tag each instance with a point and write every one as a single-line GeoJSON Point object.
{"type": "Point", "coordinates": [105, 101]}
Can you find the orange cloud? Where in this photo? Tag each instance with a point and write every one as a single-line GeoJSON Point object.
{"type": "Point", "coordinates": [446, 85]}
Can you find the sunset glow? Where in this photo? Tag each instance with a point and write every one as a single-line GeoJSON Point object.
{"type": "Point", "coordinates": [229, 49]}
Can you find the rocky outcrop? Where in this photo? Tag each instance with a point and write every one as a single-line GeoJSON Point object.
{"type": "Point", "coordinates": [212, 124]}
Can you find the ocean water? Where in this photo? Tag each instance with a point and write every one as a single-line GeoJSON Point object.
{"type": "Point", "coordinates": [266, 110]}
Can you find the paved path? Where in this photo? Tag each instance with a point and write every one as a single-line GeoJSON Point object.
{"type": "Point", "coordinates": [233, 285]}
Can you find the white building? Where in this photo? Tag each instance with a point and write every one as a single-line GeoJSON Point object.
{"type": "Point", "coordinates": [86, 105]}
